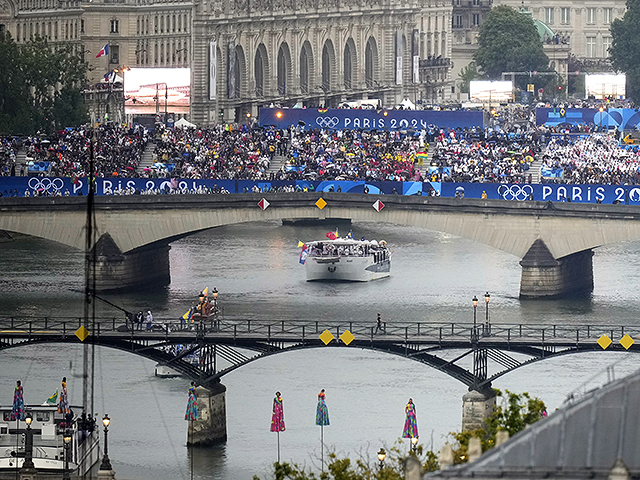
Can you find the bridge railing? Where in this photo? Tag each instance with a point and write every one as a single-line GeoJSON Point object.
{"type": "Point", "coordinates": [298, 330]}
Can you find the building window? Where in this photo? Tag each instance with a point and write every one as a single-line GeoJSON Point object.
{"type": "Point", "coordinates": [115, 26]}
{"type": "Point", "coordinates": [608, 14]}
{"type": "Point", "coordinates": [591, 15]}
{"type": "Point", "coordinates": [475, 20]}
{"type": "Point", "coordinates": [548, 15]}
{"type": "Point", "coordinates": [606, 44]}
{"type": "Point", "coordinates": [457, 21]}
{"type": "Point", "coordinates": [81, 25]}
{"type": "Point", "coordinates": [476, 3]}
{"type": "Point", "coordinates": [114, 51]}
{"type": "Point", "coordinates": [591, 47]}
{"type": "Point", "coordinates": [565, 16]}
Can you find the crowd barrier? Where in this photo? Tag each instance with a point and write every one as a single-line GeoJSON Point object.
{"type": "Point", "coordinates": [609, 194]}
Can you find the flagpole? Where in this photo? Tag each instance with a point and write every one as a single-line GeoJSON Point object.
{"type": "Point", "coordinates": [278, 446]}
{"type": "Point", "coordinates": [322, 446]}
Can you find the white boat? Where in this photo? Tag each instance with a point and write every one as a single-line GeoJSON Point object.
{"type": "Point", "coordinates": [48, 429]}
{"type": "Point", "coordinates": [345, 259]}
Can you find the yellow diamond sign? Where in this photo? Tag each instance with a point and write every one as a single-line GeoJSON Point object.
{"type": "Point", "coordinates": [604, 341]}
{"type": "Point", "coordinates": [326, 337]}
{"type": "Point", "coordinates": [347, 337]}
{"type": "Point", "coordinates": [321, 203]}
{"type": "Point", "coordinates": [82, 333]}
{"type": "Point", "coordinates": [626, 342]}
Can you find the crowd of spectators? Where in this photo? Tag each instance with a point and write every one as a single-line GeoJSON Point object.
{"type": "Point", "coordinates": [502, 152]}
{"type": "Point", "coordinates": [594, 159]}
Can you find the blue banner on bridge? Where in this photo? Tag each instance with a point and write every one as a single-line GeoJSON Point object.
{"type": "Point", "coordinates": [625, 194]}
{"type": "Point", "coordinates": [622, 118]}
{"type": "Point", "coordinates": [337, 118]}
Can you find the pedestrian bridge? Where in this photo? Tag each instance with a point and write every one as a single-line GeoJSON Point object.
{"type": "Point", "coordinates": [133, 233]}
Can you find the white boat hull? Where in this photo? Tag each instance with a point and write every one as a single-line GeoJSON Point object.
{"type": "Point", "coordinates": [346, 269]}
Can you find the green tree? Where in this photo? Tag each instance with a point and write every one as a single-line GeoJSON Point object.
{"type": "Point", "coordinates": [345, 469]}
{"type": "Point", "coordinates": [509, 42]}
{"type": "Point", "coordinates": [468, 73]}
{"type": "Point", "coordinates": [625, 47]}
{"type": "Point", "coordinates": [516, 412]}
{"type": "Point", "coordinates": [40, 89]}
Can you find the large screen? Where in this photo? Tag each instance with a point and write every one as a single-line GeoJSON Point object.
{"type": "Point", "coordinates": [155, 90]}
{"type": "Point", "coordinates": [606, 85]}
{"type": "Point", "coordinates": [486, 91]}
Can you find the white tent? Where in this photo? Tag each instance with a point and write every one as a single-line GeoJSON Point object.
{"type": "Point", "coordinates": [408, 104]}
{"type": "Point", "coordinates": [183, 123]}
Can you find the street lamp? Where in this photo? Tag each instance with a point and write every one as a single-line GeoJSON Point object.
{"type": "Point", "coordinates": [475, 306]}
{"type": "Point", "coordinates": [28, 447]}
{"type": "Point", "coordinates": [487, 325]}
{"type": "Point", "coordinates": [214, 294]}
{"type": "Point", "coordinates": [414, 444]}
{"type": "Point", "coordinates": [106, 464]}
{"type": "Point", "coordinates": [67, 446]}
{"type": "Point", "coordinates": [381, 456]}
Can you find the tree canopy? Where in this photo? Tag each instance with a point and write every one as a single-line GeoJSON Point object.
{"type": "Point", "coordinates": [625, 47]}
{"type": "Point", "coordinates": [509, 42]}
{"type": "Point", "coordinates": [40, 86]}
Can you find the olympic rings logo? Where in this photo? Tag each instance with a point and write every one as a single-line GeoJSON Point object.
{"type": "Point", "coordinates": [515, 192]}
{"type": "Point", "coordinates": [46, 184]}
{"type": "Point", "coordinates": [327, 122]}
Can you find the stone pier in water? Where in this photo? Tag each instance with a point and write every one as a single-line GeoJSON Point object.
{"type": "Point", "coordinates": [144, 266]}
{"type": "Point", "coordinates": [211, 426]}
{"type": "Point", "coordinates": [544, 276]}
{"type": "Point", "coordinates": [476, 406]}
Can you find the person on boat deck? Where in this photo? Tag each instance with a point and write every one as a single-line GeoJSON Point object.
{"type": "Point", "coordinates": [149, 320]}
{"type": "Point", "coordinates": [68, 420]}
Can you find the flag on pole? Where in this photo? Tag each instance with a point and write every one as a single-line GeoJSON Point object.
{"type": "Point", "coordinates": [205, 292]}
{"type": "Point", "coordinates": [188, 315]}
{"type": "Point", "coordinates": [103, 52]}
{"type": "Point", "coordinates": [53, 399]}
{"type": "Point", "coordinates": [350, 235]}
{"type": "Point", "coordinates": [109, 75]}
{"type": "Point", "coordinates": [331, 235]}
{"type": "Point", "coordinates": [300, 244]}
{"type": "Point", "coordinates": [303, 255]}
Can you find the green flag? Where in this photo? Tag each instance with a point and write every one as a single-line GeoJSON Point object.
{"type": "Point", "coordinates": [53, 399]}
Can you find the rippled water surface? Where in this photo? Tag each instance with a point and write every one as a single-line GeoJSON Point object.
{"type": "Point", "coordinates": [255, 267]}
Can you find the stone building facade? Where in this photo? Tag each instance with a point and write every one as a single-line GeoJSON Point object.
{"type": "Point", "coordinates": [247, 53]}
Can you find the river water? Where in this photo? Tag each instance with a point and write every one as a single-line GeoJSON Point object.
{"type": "Point", "coordinates": [255, 268]}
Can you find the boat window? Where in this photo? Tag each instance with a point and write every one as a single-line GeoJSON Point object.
{"type": "Point", "coordinates": [4, 430]}
{"type": "Point", "coordinates": [6, 416]}
{"type": "Point", "coordinates": [42, 416]}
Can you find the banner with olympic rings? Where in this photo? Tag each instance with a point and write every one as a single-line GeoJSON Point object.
{"type": "Point", "coordinates": [59, 186]}
{"type": "Point", "coordinates": [338, 118]}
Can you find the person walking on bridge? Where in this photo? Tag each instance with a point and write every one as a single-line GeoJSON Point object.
{"type": "Point", "coordinates": [378, 323]}
{"type": "Point", "coordinates": [149, 320]}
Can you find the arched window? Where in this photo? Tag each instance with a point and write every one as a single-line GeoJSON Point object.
{"type": "Point", "coordinates": [282, 71]}
{"type": "Point", "coordinates": [304, 69]}
{"type": "Point", "coordinates": [348, 66]}
{"type": "Point", "coordinates": [326, 68]}
{"type": "Point", "coordinates": [259, 68]}
{"type": "Point", "coordinates": [368, 64]}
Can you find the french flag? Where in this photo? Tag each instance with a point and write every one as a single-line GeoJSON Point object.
{"type": "Point", "coordinates": [103, 52]}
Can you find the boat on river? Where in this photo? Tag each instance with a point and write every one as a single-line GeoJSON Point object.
{"type": "Point", "coordinates": [346, 259]}
{"type": "Point", "coordinates": [48, 430]}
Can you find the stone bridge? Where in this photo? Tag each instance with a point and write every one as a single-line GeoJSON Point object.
{"type": "Point", "coordinates": [133, 233]}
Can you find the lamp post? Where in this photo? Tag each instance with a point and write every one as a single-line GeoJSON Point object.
{"type": "Point", "coordinates": [487, 325]}
{"type": "Point", "coordinates": [28, 447]}
{"type": "Point", "coordinates": [67, 445]}
{"type": "Point", "coordinates": [106, 464]}
{"type": "Point", "coordinates": [381, 456]}
{"type": "Point", "coordinates": [214, 294]}
{"type": "Point", "coordinates": [474, 300]}
{"type": "Point", "coordinates": [414, 444]}
{"type": "Point", "coordinates": [601, 112]}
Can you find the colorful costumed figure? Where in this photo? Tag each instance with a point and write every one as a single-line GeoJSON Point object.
{"type": "Point", "coordinates": [277, 419]}
{"type": "Point", "coordinates": [63, 403]}
{"type": "Point", "coordinates": [411, 424]}
{"type": "Point", "coordinates": [322, 419]}
{"type": "Point", "coordinates": [17, 412]}
{"type": "Point", "coordinates": [192, 404]}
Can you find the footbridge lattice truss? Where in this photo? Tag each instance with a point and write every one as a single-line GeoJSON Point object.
{"type": "Point", "coordinates": [208, 350]}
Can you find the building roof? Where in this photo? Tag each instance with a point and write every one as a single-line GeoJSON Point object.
{"type": "Point", "coordinates": [544, 30]}
{"type": "Point", "coordinates": [584, 439]}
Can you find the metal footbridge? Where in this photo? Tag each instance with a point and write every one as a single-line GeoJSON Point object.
{"type": "Point", "coordinates": [206, 350]}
